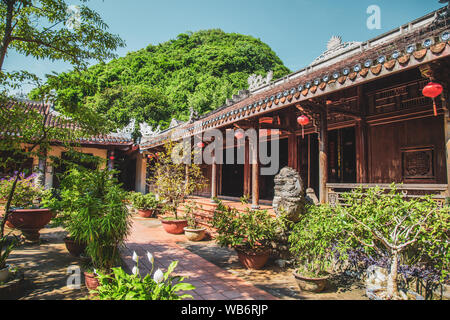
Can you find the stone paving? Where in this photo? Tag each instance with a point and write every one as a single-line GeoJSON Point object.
{"type": "Point", "coordinates": [212, 282]}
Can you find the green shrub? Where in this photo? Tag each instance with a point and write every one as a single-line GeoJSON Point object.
{"type": "Point", "coordinates": [26, 194]}
{"type": "Point", "coordinates": [93, 209]}
{"type": "Point", "coordinates": [312, 238]}
{"type": "Point", "coordinates": [144, 201]}
{"type": "Point", "coordinates": [408, 230]}
{"type": "Point", "coordinates": [251, 230]}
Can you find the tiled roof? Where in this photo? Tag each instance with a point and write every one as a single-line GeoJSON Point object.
{"type": "Point", "coordinates": [419, 42]}
{"type": "Point", "coordinates": [55, 119]}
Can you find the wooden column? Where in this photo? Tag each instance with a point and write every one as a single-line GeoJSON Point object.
{"type": "Point", "coordinates": [186, 175]}
{"type": "Point", "coordinates": [323, 157]}
{"type": "Point", "coordinates": [447, 144]}
{"type": "Point", "coordinates": [255, 172]}
{"type": "Point", "coordinates": [141, 173]}
{"type": "Point", "coordinates": [361, 152]}
{"type": "Point", "coordinates": [247, 169]}
{"type": "Point", "coordinates": [293, 151]}
{"type": "Point", "coordinates": [214, 179]}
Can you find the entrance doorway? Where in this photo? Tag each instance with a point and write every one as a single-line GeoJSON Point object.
{"type": "Point", "coordinates": [342, 156]}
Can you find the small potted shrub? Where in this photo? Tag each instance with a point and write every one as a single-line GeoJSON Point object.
{"type": "Point", "coordinates": [250, 233]}
{"type": "Point", "coordinates": [96, 215]}
{"type": "Point", "coordinates": [193, 231]}
{"type": "Point", "coordinates": [26, 213]}
{"type": "Point", "coordinates": [161, 286]}
{"type": "Point", "coordinates": [408, 230]}
{"type": "Point", "coordinates": [174, 181]}
{"type": "Point", "coordinates": [311, 243]}
{"type": "Point", "coordinates": [146, 204]}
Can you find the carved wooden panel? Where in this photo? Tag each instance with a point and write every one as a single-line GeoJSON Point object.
{"type": "Point", "coordinates": [402, 97]}
{"type": "Point", "coordinates": [417, 163]}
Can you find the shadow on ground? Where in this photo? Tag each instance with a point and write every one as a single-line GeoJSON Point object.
{"type": "Point", "coordinates": [46, 266]}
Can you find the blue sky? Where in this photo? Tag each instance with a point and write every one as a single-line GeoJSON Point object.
{"type": "Point", "coordinates": [297, 30]}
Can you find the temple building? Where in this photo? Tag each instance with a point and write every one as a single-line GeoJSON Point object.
{"type": "Point", "coordinates": [367, 119]}
{"type": "Point", "coordinates": [358, 115]}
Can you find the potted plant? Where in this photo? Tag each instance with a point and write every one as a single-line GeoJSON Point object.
{"type": "Point", "coordinates": [386, 222]}
{"type": "Point", "coordinates": [6, 246]}
{"type": "Point", "coordinates": [146, 204]}
{"type": "Point", "coordinates": [161, 286]}
{"type": "Point", "coordinates": [26, 213]}
{"type": "Point", "coordinates": [311, 241]}
{"type": "Point", "coordinates": [173, 182]}
{"type": "Point", "coordinates": [96, 215]}
{"type": "Point", "coordinates": [193, 231]}
{"type": "Point", "coordinates": [250, 233]}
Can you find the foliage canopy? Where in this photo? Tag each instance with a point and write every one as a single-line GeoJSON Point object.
{"type": "Point", "coordinates": [161, 82]}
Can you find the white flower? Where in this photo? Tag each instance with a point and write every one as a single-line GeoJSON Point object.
{"type": "Point", "coordinates": [158, 276]}
{"type": "Point", "coordinates": [135, 271]}
{"type": "Point", "coordinates": [135, 257]}
{"type": "Point", "coordinates": [95, 271]}
{"type": "Point", "coordinates": [150, 257]}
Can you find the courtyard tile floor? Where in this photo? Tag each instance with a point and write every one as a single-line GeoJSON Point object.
{"type": "Point", "coordinates": [212, 282]}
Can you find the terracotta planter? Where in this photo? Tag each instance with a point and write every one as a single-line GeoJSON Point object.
{"type": "Point", "coordinates": [4, 274]}
{"type": "Point", "coordinates": [91, 281]}
{"type": "Point", "coordinates": [29, 221]}
{"type": "Point", "coordinates": [146, 213]}
{"type": "Point", "coordinates": [311, 284]}
{"type": "Point", "coordinates": [174, 226]}
{"type": "Point", "coordinates": [253, 260]}
{"type": "Point", "coordinates": [75, 248]}
{"type": "Point", "coordinates": [194, 234]}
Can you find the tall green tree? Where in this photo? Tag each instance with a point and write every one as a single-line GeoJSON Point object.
{"type": "Point", "coordinates": [196, 70]}
{"type": "Point", "coordinates": [47, 29]}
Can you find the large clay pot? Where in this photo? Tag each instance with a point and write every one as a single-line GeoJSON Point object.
{"type": "Point", "coordinates": [174, 226]}
{"type": "Point", "coordinates": [29, 221]}
{"type": "Point", "coordinates": [146, 213]}
{"type": "Point", "coordinates": [75, 248]}
{"type": "Point", "coordinates": [91, 281]}
{"type": "Point", "coordinates": [311, 284]}
{"type": "Point", "coordinates": [194, 234]}
{"type": "Point", "coordinates": [253, 260]}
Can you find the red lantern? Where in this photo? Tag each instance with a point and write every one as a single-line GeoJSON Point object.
{"type": "Point", "coordinates": [111, 158]}
{"type": "Point", "coordinates": [200, 144]}
{"type": "Point", "coordinates": [432, 90]}
{"type": "Point", "coordinates": [239, 135]}
{"type": "Point", "coordinates": [303, 121]}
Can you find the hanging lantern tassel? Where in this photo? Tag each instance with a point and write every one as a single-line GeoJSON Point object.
{"type": "Point", "coordinates": [303, 121]}
{"type": "Point", "coordinates": [432, 90]}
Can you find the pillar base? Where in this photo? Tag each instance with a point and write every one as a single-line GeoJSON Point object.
{"type": "Point", "coordinates": [255, 207]}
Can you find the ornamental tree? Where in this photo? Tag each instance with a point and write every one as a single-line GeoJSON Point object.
{"type": "Point", "coordinates": [388, 223]}
{"type": "Point", "coordinates": [174, 180]}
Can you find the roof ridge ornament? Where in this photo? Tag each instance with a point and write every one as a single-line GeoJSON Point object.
{"type": "Point", "coordinates": [335, 47]}
{"type": "Point", "coordinates": [147, 131]}
{"type": "Point", "coordinates": [257, 81]}
{"type": "Point", "coordinates": [125, 131]}
{"type": "Point", "coordinates": [334, 42]}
